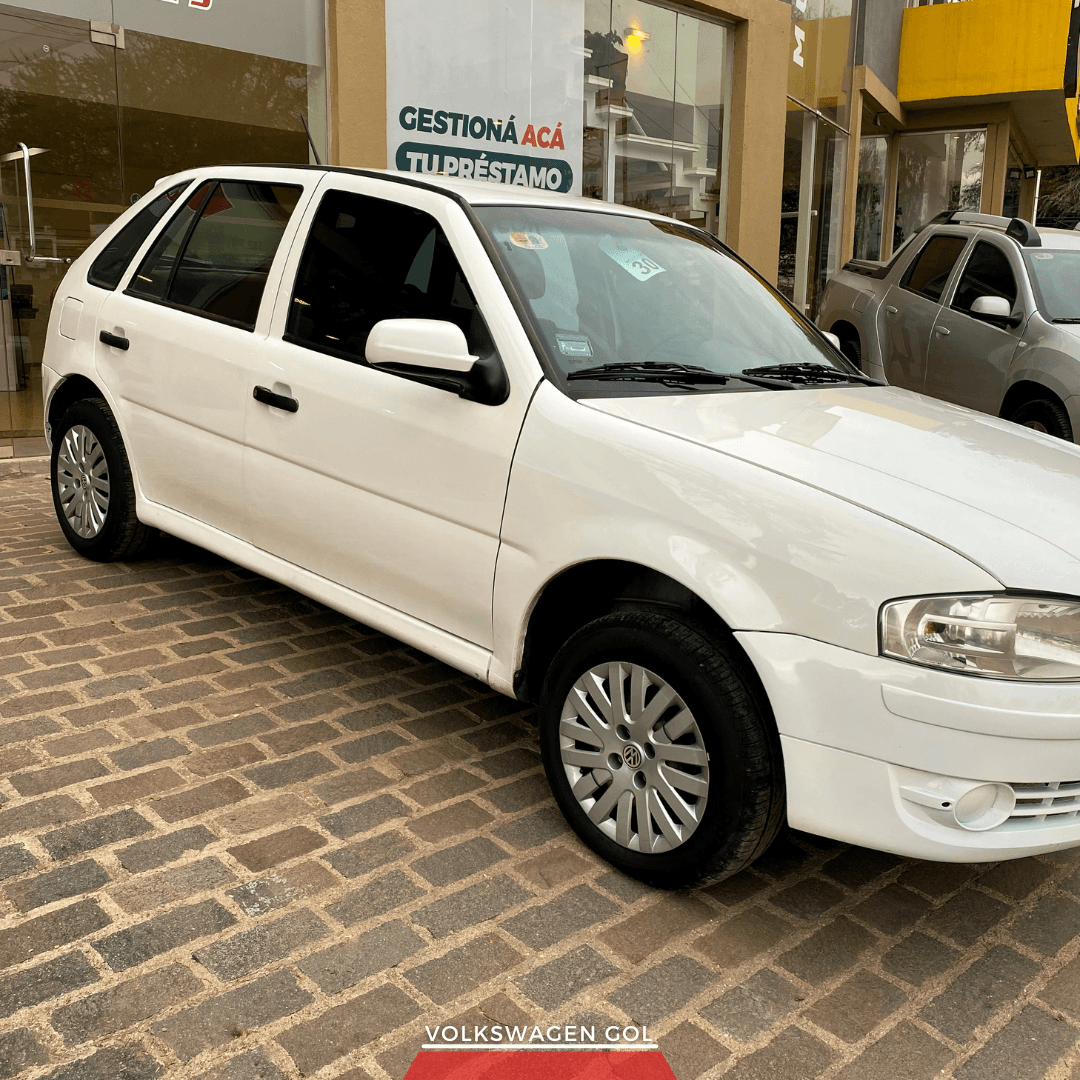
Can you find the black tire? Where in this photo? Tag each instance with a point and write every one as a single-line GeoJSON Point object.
{"type": "Point", "coordinates": [744, 806]}
{"type": "Point", "coordinates": [1044, 414]}
{"type": "Point", "coordinates": [851, 347]}
{"type": "Point", "coordinates": [115, 533]}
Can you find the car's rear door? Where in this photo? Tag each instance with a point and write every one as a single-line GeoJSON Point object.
{"type": "Point", "coordinates": [182, 333]}
{"type": "Point", "coordinates": [970, 358]}
{"type": "Point", "coordinates": [912, 305]}
{"type": "Point", "coordinates": [390, 487]}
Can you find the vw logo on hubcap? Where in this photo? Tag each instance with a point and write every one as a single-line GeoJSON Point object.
{"type": "Point", "coordinates": [632, 756]}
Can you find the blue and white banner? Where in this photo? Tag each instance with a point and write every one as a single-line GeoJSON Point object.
{"type": "Point", "coordinates": [486, 90]}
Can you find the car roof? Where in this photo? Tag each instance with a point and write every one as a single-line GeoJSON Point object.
{"type": "Point", "coordinates": [474, 192]}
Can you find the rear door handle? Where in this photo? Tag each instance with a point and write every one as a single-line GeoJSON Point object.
{"type": "Point", "coordinates": [278, 401]}
{"type": "Point", "coordinates": [891, 310]}
{"type": "Point", "coordinates": [113, 340]}
{"type": "Point", "coordinates": [944, 331]}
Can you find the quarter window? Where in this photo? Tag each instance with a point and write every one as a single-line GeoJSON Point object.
{"type": "Point", "coordinates": [219, 266]}
{"type": "Point", "coordinates": [987, 274]}
{"type": "Point", "coordinates": [929, 273]}
{"type": "Point", "coordinates": [367, 260]}
{"type": "Point", "coordinates": [108, 268]}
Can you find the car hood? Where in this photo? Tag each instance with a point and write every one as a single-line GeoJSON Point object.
{"type": "Point", "coordinates": [1005, 497]}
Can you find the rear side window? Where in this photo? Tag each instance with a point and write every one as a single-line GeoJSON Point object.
{"type": "Point", "coordinates": [366, 260]}
{"type": "Point", "coordinates": [929, 273]}
{"type": "Point", "coordinates": [218, 265]}
{"type": "Point", "coordinates": [987, 273]}
{"type": "Point", "coordinates": [108, 268]}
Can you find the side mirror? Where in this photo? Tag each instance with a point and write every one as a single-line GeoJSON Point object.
{"type": "Point", "coordinates": [420, 343]}
{"type": "Point", "coordinates": [995, 309]}
{"type": "Point", "coordinates": [833, 340]}
{"type": "Point", "coordinates": [435, 353]}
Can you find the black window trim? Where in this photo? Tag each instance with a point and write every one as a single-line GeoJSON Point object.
{"type": "Point", "coordinates": [155, 232]}
{"type": "Point", "coordinates": [910, 268]}
{"type": "Point", "coordinates": [1000, 248]}
{"type": "Point", "coordinates": [212, 183]}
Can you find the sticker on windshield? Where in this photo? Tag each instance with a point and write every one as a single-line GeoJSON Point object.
{"type": "Point", "coordinates": [1043, 255]}
{"type": "Point", "coordinates": [576, 346]}
{"type": "Point", "coordinates": [531, 241]}
{"type": "Point", "coordinates": [631, 260]}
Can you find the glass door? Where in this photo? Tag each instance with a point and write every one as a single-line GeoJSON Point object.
{"type": "Point", "coordinates": [58, 96]}
{"type": "Point", "coordinates": [811, 207]}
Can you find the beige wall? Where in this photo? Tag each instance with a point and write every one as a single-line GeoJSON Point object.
{"type": "Point", "coordinates": [356, 63]}
{"type": "Point", "coordinates": [356, 70]}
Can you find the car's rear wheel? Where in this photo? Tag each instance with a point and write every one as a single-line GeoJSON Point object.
{"type": "Point", "coordinates": [850, 346]}
{"type": "Point", "coordinates": [93, 491]}
{"type": "Point", "coordinates": [659, 749]}
{"type": "Point", "coordinates": [1046, 415]}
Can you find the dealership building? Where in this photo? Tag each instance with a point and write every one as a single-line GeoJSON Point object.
{"type": "Point", "coordinates": [802, 133]}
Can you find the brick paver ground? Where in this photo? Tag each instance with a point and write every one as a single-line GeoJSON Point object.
{"type": "Point", "coordinates": [244, 838]}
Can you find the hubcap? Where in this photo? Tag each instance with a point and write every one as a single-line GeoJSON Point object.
{"type": "Point", "coordinates": [634, 756]}
{"type": "Point", "coordinates": [1037, 425]}
{"type": "Point", "coordinates": [82, 481]}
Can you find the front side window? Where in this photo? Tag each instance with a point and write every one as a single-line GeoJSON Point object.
{"type": "Point", "coordinates": [366, 260]}
{"type": "Point", "coordinates": [930, 271]}
{"type": "Point", "coordinates": [219, 267]}
{"type": "Point", "coordinates": [987, 274]}
{"type": "Point", "coordinates": [607, 288]}
{"type": "Point", "coordinates": [108, 268]}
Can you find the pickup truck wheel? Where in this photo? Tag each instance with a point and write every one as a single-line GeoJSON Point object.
{"type": "Point", "coordinates": [1046, 415]}
{"type": "Point", "coordinates": [93, 492]}
{"type": "Point", "coordinates": [657, 750]}
{"type": "Point", "coordinates": [851, 348]}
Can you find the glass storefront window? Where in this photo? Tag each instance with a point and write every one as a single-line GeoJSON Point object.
{"type": "Point", "coordinates": [110, 121]}
{"type": "Point", "coordinates": [938, 170]}
{"type": "Point", "coordinates": [870, 197]}
{"type": "Point", "coordinates": [657, 84]}
{"type": "Point", "coordinates": [815, 148]}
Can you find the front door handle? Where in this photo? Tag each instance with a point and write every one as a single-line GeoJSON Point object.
{"type": "Point", "coordinates": [116, 341]}
{"type": "Point", "coordinates": [278, 401]}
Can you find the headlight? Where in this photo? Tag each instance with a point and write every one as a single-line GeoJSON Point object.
{"type": "Point", "coordinates": [1003, 637]}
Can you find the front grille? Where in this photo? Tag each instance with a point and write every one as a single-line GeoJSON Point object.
{"type": "Point", "coordinates": [1057, 803]}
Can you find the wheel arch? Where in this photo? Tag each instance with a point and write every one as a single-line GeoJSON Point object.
{"type": "Point", "coordinates": [68, 390]}
{"type": "Point", "coordinates": [587, 590]}
{"type": "Point", "coordinates": [1023, 391]}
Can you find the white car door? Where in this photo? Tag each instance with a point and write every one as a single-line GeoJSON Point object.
{"type": "Point", "coordinates": [178, 340]}
{"type": "Point", "coordinates": [911, 307]}
{"type": "Point", "coordinates": [390, 487]}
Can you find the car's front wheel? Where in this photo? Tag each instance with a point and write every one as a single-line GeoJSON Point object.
{"type": "Point", "coordinates": [659, 749]}
{"type": "Point", "coordinates": [93, 491]}
{"type": "Point", "coordinates": [1044, 414]}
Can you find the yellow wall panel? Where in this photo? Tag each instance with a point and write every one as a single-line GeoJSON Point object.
{"type": "Point", "coordinates": [983, 47]}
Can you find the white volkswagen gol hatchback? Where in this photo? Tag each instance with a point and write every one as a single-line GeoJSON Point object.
{"type": "Point", "coordinates": [583, 453]}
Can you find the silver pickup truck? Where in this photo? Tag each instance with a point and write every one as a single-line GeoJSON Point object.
{"type": "Point", "coordinates": [982, 311]}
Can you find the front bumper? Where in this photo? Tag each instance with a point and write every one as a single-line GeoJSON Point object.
{"type": "Point", "coordinates": [865, 738]}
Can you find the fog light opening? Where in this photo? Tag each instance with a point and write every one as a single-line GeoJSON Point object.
{"type": "Point", "coordinates": [984, 807]}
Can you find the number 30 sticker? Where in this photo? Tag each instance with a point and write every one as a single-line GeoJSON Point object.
{"type": "Point", "coordinates": [631, 260]}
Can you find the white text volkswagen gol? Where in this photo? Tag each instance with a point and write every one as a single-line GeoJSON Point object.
{"type": "Point", "coordinates": [583, 453]}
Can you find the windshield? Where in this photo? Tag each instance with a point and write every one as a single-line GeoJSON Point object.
{"type": "Point", "coordinates": [610, 289]}
{"type": "Point", "coordinates": [1056, 277]}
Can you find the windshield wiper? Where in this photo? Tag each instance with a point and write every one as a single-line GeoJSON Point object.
{"type": "Point", "coordinates": [682, 374]}
{"type": "Point", "coordinates": [808, 373]}
{"type": "Point", "coordinates": [1069, 320]}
